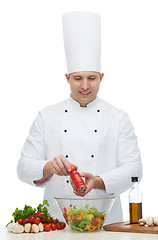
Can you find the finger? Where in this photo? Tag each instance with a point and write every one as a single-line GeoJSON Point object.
{"type": "Point", "coordinates": [55, 168]}
{"type": "Point", "coordinates": [59, 167]}
{"type": "Point", "coordinates": [85, 174]}
{"type": "Point", "coordinates": [66, 164]}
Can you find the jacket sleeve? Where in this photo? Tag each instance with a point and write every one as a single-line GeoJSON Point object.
{"type": "Point", "coordinates": [128, 160]}
{"type": "Point", "coordinates": [30, 165]}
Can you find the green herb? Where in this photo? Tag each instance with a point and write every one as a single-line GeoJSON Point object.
{"type": "Point", "coordinates": [42, 208]}
{"type": "Point", "coordinates": [28, 211]}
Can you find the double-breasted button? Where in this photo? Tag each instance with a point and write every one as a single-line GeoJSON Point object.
{"type": "Point", "coordinates": [67, 181]}
{"type": "Point", "coordinates": [66, 156]}
{"type": "Point", "coordinates": [65, 130]}
{"type": "Point", "coordinates": [98, 110]}
{"type": "Point", "coordinates": [92, 156]}
{"type": "Point", "coordinates": [66, 110]}
{"type": "Point", "coordinates": [95, 130]}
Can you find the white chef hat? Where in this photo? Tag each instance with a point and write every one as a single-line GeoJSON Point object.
{"type": "Point", "coordinates": [82, 41]}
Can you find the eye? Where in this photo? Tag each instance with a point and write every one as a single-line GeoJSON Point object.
{"type": "Point", "coordinates": [92, 78]}
{"type": "Point", "coordinates": [77, 78]}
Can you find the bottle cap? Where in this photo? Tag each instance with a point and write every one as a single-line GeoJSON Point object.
{"type": "Point", "coordinates": [73, 168]}
{"type": "Point", "coordinates": [134, 179]}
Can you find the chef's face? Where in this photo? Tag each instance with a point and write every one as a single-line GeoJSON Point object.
{"type": "Point", "coordinates": [84, 86]}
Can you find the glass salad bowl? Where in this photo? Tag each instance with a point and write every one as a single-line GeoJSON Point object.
{"type": "Point", "coordinates": [85, 214]}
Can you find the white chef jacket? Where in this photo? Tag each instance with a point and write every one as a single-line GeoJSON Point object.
{"type": "Point", "coordinates": [98, 139]}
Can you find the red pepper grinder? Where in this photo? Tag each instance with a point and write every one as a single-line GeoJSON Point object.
{"type": "Point", "coordinates": [76, 178]}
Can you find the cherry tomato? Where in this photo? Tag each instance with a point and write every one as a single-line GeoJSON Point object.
{"type": "Point", "coordinates": [47, 227]}
{"type": "Point", "coordinates": [37, 220]}
{"type": "Point", "coordinates": [40, 214]}
{"type": "Point", "coordinates": [55, 221]}
{"type": "Point", "coordinates": [20, 221]}
{"type": "Point", "coordinates": [53, 227]}
{"type": "Point", "coordinates": [31, 219]}
{"type": "Point", "coordinates": [59, 227]}
{"type": "Point", "coordinates": [63, 225]}
{"type": "Point", "coordinates": [43, 219]}
{"type": "Point", "coordinates": [78, 218]}
{"type": "Point", "coordinates": [48, 219]}
{"type": "Point", "coordinates": [26, 220]}
{"type": "Point", "coordinates": [65, 209]}
{"type": "Point", "coordinates": [93, 222]}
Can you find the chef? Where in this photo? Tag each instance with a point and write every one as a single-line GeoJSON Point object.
{"type": "Point", "coordinates": [82, 130]}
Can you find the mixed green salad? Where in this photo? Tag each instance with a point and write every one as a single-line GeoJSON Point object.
{"type": "Point", "coordinates": [84, 219]}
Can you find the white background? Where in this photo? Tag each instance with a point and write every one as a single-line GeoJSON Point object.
{"type": "Point", "coordinates": [32, 68]}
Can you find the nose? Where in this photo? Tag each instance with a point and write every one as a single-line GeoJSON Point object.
{"type": "Point", "coordinates": [85, 84]}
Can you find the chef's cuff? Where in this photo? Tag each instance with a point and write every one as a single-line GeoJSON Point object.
{"type": "Point", "coordinates": [36, 171]}
{"type": "Point", "coordinates": [43, 184]}
{"type": "Point", "coordinates": [109, 182]}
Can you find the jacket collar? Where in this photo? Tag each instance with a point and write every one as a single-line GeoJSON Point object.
{"type": "Point", "coordinates": [89, 105]}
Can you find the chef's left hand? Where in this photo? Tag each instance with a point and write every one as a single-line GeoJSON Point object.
{"type": "Point", "coordinates": [90, 181]}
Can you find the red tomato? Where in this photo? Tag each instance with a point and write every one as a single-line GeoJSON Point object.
{"type": "Point", "coordinates": [20, 221]}
{"type": "Point", "coordinates": [47, 227]}
{"type": "Point", "coordinates": [54, 221]}
{"type": "Point", "coordinates": [44, 220]}
{"type": "Point", "coordinates": [95, 221]}
{"type": "Point", "coordinates": [65, 209]}
{"type": "Point", "coordinates": [48, 219]}
{"type": "Point", "coordinates": [26, 220]}
{"type": "Point", "coordinates": [40, 214]}
{"type": "Point", "coordinates": [53, 227]}
{"type": "Point", "coordinates": [59, 227]}
{"type": "Point", "coordinates": [37, 220]}
{"type": "Point", "coordinates": [78, 218]}
{"type": "Point", "coordinates": [31, 219]}
{"type": "Point", "coordinates": [63, 225]}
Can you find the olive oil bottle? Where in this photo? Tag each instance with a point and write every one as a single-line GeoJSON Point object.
{"type": "Point", "coordinates": [135, 202]}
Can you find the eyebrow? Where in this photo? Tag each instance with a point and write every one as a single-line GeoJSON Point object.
{"type": "Point", "coordinates": [93, 75]}
{"type": "Point", "coordinates": [82, 76]}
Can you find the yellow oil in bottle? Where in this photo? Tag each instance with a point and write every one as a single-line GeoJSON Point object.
{"type": "Point", "coordinates": [135, 212]}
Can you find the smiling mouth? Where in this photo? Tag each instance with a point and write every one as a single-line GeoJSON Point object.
{"type": "Point", "coordinates": [84, 93]}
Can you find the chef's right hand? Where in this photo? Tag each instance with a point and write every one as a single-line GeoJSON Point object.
{"type": "Point", "coordinates": [59, 166]}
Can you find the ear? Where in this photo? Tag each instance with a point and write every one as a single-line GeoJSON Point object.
{"type": "Point", "coordinates": [67, 77]}
{"type": "Point", "coordinates": [101, 76]}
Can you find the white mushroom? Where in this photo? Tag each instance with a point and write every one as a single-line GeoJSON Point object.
{"type": "Point", "coordinates": [150, 221]}
{"type": "Point", "coordinates": [156, 220]}
{"type": "Point", "coordinates": [142, 222]}
{"type": "Point", "coordinates": [27, 227]}
{"type": "Point", "coordinates": [17, 228]}
{"type": "Point", "coordinates": [10, 226]}
{"type": "Point", "coordinates": [35, 228]}
{"type": "Point", "coordinates": [41, 228]}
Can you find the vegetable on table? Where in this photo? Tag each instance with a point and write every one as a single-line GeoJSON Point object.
{"type": "Point", "coordinates": [34, 220]}
{"type": "Point", "coordinates": [47, 227]}
{"type": "Point", "coordinates": [35, 228]}
{"type": "Point", "coordinates": [27, 227]}
{"type": "Point", "coordinates": [15, 228]}
{"type": "Point", "coordinates": [41, 228]}
{"type": "Point", "coordinates": [53, 226]}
